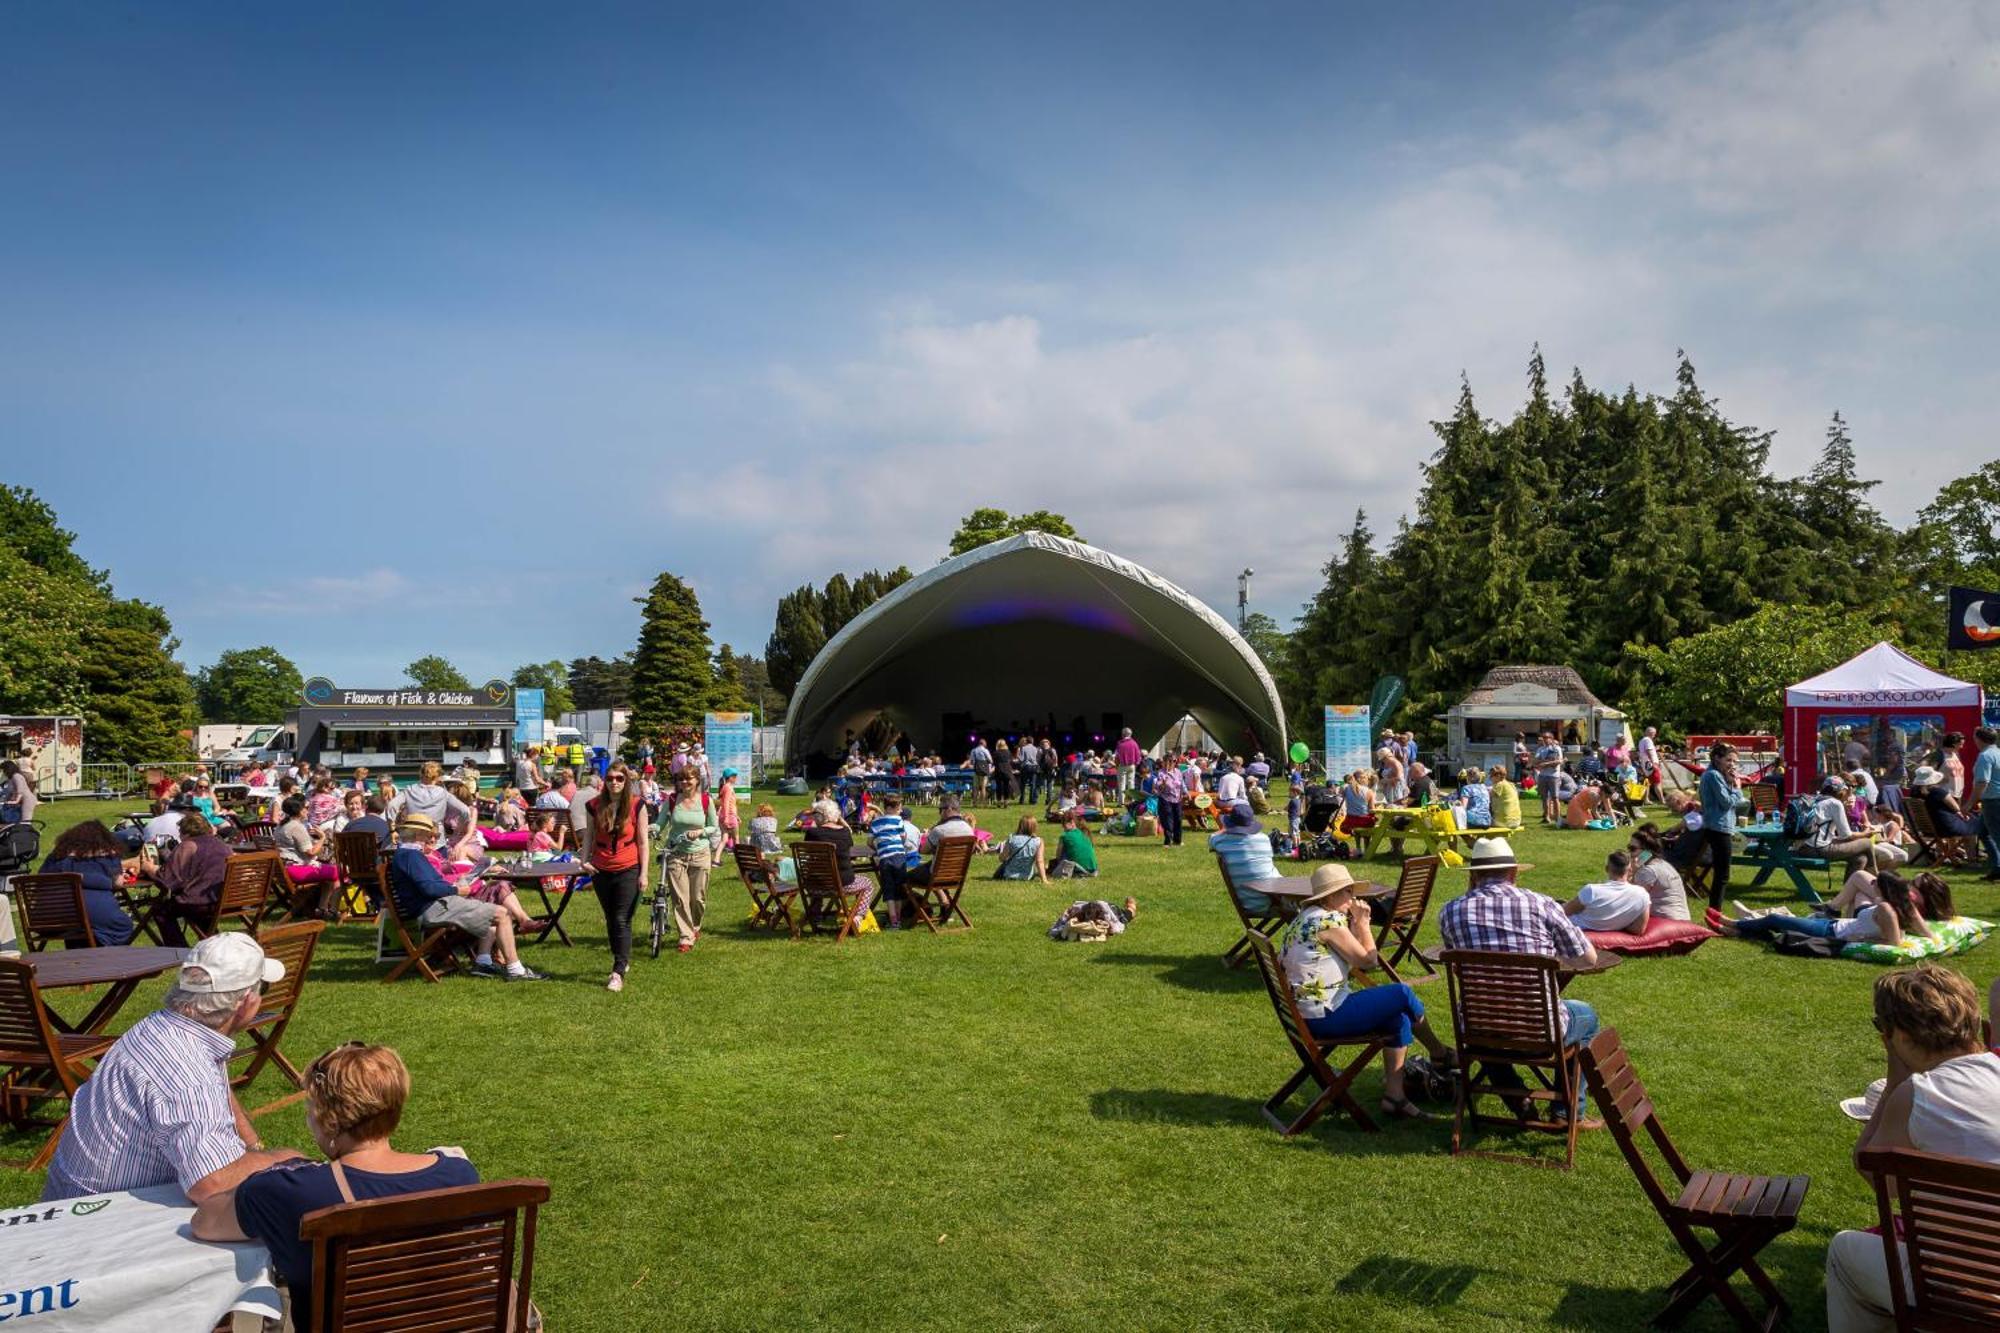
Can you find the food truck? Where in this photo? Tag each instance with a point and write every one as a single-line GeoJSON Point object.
{"type": "Point", "coordinates": [50, 749]}
{"type": "Point", "coordinates": [1528, 699]}
{"type": "Point", "coordinates": [397, 729]}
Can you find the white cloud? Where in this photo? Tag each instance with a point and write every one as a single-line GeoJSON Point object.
{"type": "Point", "coordinates": [1759, 195]}
{"type": "Point", "coordinates": [368, 590]}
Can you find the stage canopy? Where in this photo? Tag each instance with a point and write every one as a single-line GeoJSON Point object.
{"type": "Point", "coordinates": [1027, 629]}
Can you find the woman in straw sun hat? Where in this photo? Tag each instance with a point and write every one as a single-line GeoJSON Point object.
{"type": "Point", "coordinates": [1320, 949]}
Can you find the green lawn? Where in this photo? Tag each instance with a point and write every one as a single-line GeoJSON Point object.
{"type": "Point", "coordinates": [990, 1129]}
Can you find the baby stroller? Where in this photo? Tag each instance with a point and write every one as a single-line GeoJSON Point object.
{"type": "Point", "coordinates": [1624, 810]}
{"type": "Point", "coordinates": [20, 848]}
{"type": "Point", "coordinates": [1322, 828]}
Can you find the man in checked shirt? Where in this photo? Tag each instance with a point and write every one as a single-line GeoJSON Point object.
{"type": "Point", "coordinates": [1499, 915]}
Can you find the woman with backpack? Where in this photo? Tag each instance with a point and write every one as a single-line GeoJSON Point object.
{"type": "Point", "coordinates": [689, 835]}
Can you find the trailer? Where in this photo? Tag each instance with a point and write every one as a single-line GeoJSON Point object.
{"type": "Point", "coordinates": [48, 749]}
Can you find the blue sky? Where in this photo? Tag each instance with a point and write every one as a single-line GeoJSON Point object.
{"type": "Point", "coordinates": [371, 331]}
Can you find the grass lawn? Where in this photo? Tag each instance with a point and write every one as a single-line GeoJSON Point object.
{"type": "Point", "coordinates": [990, 1129]}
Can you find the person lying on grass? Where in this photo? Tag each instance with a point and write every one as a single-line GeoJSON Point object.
{"type": "Point", "coordinates": [1863, 890]}
{"type": "Point", "coordinates": [1888, 921]}
{"type": "Point", "coordinates": [1615, 903]}
{"type": "Point", "coordinates": [1321, 948]}
{"type": "Point", "coordinates": [1093, 920]}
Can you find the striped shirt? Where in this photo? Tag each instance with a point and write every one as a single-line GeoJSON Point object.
{"type": "Point", "coordinates": [155, 1111]}
{"type": "Point", "coordinates": [892, 836]}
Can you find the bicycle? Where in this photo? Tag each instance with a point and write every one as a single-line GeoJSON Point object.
{"type": "Point", "coordinates": [662, 918]}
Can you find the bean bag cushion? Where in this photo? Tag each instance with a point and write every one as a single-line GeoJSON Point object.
{"type": "Point", "coordinates": [1661, 936]}
{"type": "Point", "coordinates": [1947, 937]}
{"type": "Point", "coordinates": [506, 840]}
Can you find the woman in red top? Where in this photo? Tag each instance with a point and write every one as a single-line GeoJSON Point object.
{"type": "Point", "coordinates": [615, 852]}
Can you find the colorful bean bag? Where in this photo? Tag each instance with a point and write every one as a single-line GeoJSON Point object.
{"type": "Point", "coordinates": [1947, 937]}
{"type": "Point", "coordinates": [1662, 935]}
{"type": "Point", "coordinates": [506, 840]}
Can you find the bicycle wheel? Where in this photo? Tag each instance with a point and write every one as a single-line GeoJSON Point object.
{"type": "Point", "coordinates": [659, 923]}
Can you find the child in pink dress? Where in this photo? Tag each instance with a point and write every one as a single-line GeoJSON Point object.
{"type": "Point", "coordinates": [725, 808]}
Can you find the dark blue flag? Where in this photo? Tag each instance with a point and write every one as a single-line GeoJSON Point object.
{"type": "Point", "coordinates": [1975, 619]}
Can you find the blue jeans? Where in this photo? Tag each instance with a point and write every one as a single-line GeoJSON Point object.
{"type": "Point", "coordinates": [1989, 834]}
{"type": "Point", "coordinates": [1383, 1009]}
{"type": "Point", "coordinates": [1580, 1028]}
{"type": "Point", "coordinates": [1763, 927]}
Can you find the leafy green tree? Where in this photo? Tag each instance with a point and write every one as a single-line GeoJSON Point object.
{"type": "Point", "coordinates": [432, 672]}
{"type": "Point", "coordinates": [139, 703]}
{"type": "Point", "coordinates": [985, 525]}
{"type": "Point", "coordinates": [248, 685]}
{"type": "Point", "coordinates": [1734, 677]}
{"type": "Point", "coordinates": [595, 682]}
{"type": "Point", "coordinates": [552, 679]}
{"type": "Point", "coordinates": [51, 598]}
{"type": "Point", "coordinates": [672, 680]}
{"type": "Point", "coordinates": [1270, 643]}
{"type": "Point", "coordinates": [769, 701]}
{"type": "Point", "coordinates": [28, 526]}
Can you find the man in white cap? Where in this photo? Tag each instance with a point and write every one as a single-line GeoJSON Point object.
{"type": "Point", "coordinates": [158, 1110]}
{"type": "Point", "coordinates": [1499, 915]}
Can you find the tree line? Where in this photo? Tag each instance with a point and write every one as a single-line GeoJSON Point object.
{"type": "Point", "coordinates": [1644, 540]}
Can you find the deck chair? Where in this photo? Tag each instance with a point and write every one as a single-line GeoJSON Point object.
{"type": "Point", "coordinates": [433, 956]}
{"type": "Point", "coordinates": [363, 880]}
{"type": "Point", "coordinates": [1506, 1011]}
{"type": "Point", "coordinates": [37, 1062]}
{"type": "Point", "coordinates": [771, 898]}
{"type": "Point", "coordinates": [1406, 917]}
{"type": "Point", "coordinates": [468, 1239]}
{"type": "Point", "coordinates": [1934, 847]}
{"type": "Point", "coordinates": [52, 911]}
{"type": "Point", "coordinates": [249, 882]}
{"type": "Point", "coordinates": [1746, 1213]}
{"type": "Point", "coordinates": [1255, 920]}
{"type": "Point", "coordinates": [1335, 1088]}
{"type": "Point", "coordinates": [293, 946]}
{"type": "Point", "coordinates": [829, 903]}
{"type": "Point", "coordinates": [1764, 799]}
{"type": "Point", "coordinates": [1947, 1211]}
{"type": "Point", "coordinates": [937, 900]}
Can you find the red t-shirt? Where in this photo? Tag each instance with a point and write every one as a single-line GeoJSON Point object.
{"type": "Point", "coordinates": [618, 851]}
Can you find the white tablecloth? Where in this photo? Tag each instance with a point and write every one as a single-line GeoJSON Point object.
{"type": "Point", "coordinates": [116, 1262]}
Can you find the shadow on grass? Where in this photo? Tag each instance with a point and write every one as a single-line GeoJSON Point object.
{"type": "Point", "coordinates": [1795, 1265]}
{"type": "Point", "coordinates": [1412, 1281]}
{"type": "Point", "coordinates": [1200, 972]}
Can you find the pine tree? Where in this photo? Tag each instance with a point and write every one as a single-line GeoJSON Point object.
{"type": "Point", "coordinates": [796, 638]}
{"type": "Point", "coordinates": [672, 680]}
{"type": "Point", "coordinates": [728, 696]}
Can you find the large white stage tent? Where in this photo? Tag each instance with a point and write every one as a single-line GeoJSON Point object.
{"type": "Point", "coordinates": [1034, 630]}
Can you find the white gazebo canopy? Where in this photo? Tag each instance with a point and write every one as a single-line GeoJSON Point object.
{"type": "Point", "coordinates": [1884, 674]}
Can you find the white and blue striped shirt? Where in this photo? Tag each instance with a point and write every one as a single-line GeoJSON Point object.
{"type": "Point", "coordinates": [156, 1110]}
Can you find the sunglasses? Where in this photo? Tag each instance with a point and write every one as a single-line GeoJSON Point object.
{"type": "Point", "coordinates": [616, 782]}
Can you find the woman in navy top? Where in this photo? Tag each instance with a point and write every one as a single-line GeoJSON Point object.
{"type": "Point", "coordinates": [354, 1098]}
{"type": "Point", "coordinates": [89, 852]}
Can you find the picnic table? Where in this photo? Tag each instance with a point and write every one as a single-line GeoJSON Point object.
{"type": "Point", "coordinates": [1418, 819]}
{"type": "Point", "coordinates": [125, 1262]}
{"type": "Point", "coordinates": [1770, 851]}
{"type": "Point", "coordinates": [121, 969]}
{"type": "Point", "coordinates": [536, 875]}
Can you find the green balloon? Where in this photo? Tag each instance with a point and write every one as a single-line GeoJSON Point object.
{"type": "Point", "coordinates": [1300, 752]}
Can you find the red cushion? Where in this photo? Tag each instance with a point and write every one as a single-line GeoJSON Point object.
{"type": "Point", "coordinates": [1662, 936]}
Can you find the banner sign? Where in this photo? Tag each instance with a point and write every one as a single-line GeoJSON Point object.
{"type": "Point", "coordinates": [1385, 698]}
{"type": "Point", "coordinates": [731, 742]}
{"type": "Point", "coordinates": [1975, 619]}
{"type": "Point", "coordinates": [323, 693]}
{"type": "Point", "coordinates": [529, 714]}
{"type": "Point", "coordinates": [1349, 738]}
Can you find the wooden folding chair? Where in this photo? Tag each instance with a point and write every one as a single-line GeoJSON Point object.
{"type": "Point", "coordinates": [771, 898]}
{"type": "Point", "coordinates": [1746, 1213]}
{"type": "Point", "coordinates": [936, 901]}
{"type": "Point", "coordinates": [1506, 1012]}
{"type": "Point", "coordinates": [249, 881]}
{"type": "Point", "coordinates": [39, 1063]}
{"type": "Point", "coordinates": [1334, 1088]}
{"type": "Point", "coordinates": [434, 956]}
{"type": "Point", "coordinates": [1406, 917]}
{"type": "Point", "coordinates": [293, 946]}
{"type": "Point", "coordinates": [436, 1259]}
{"type": "Point", "coordinates": [825, 898]}
{"type": "Point", "coordinates": [256, 835]}
{"type": "Point", "coordinates": [1947, 1211]}
{"type": "Point", "coordinates": [52, 910]}
{"type": "Point", "coordinates": [1255, 920]}
{"type": "Point", "coordinates": [1933, 847]}
{"type": "Point", "coordinates": [359, 857]}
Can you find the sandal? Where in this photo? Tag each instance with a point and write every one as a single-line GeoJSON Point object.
{"type": "Point", "coordinates": [1402, 1108]}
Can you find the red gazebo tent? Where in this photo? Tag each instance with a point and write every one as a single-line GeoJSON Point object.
{"type": "Point", "coordinates": [1876, 709]}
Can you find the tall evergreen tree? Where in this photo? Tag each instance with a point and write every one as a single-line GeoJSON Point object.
{"type": "Point", "coordinates": [596, 682]}
{"type": "Point", "coordinates": [796, 638]}
{"type": "Point", "coordinates": [672, 680]}
{"type": "Point", "coordinates": [728, 695]}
